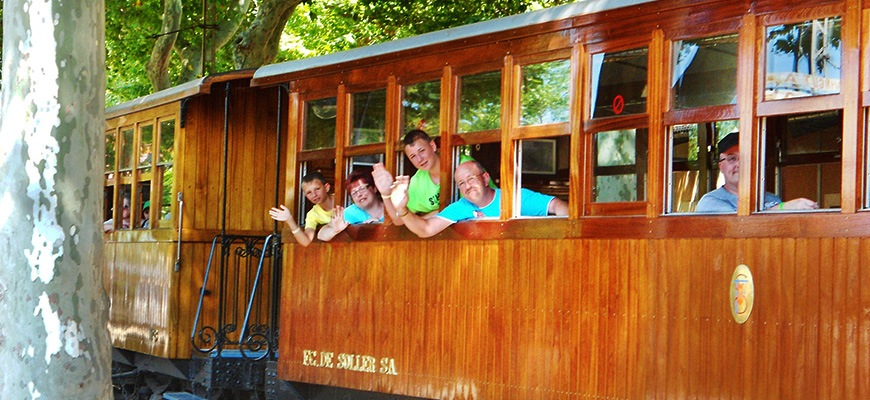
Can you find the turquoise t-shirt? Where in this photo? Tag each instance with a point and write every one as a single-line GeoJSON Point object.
{"type": "Point", "coordinates": [356, 215]}
{"type": "Point", "coordinates": [534, 204]}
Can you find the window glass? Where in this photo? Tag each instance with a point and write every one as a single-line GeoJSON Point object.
{"type": "Point", "coordinates": [705, 72]}
{"type": "Point", "coordinates": [421, 107]}
{"type": "Point", "coordinates": [620, 166]}
{"type": "Point", "coordinates": [545, 92]}
{"type": "Point", "coordinates": [320, 124]}
{"type": "Point", "coordinates": [480, 102]}
{"type": "Point", "coordinates": [803, 59]}
{"type": "Point", "coordinates": [143, 206]}
{"type": "Point", "coordinates": [146, 139]}
{"type": "Point", "coordinates": [369, 116]}
{"type": "Point", "coordinates": [110, 152]}
{"type": "Point", "coordinates": [693, 162]}
{"type": "Point", "coordinates": [619, 83]}
{"type": "Point", "coordinates": [544, 166]}
{"type": "Point", "coordinates": [126, 208]}
{"type": "Point", "coordinates": [803, 157]}
{"type": "Point", "coordinates": [126, 149]}
{"type": "Point", "coordinates": [165, 176]}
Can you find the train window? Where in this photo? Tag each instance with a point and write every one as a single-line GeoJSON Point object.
{"type": "Point", "coordinates": [487, 154]}
{"type": "Point", "coordinates": [545, 92]}
{"type": "Point", "coordinates": [620, 166]}
{"type": "Point", "coordinates": [126, 163]}
{"type": "Point", "coordinates": [705, 72]}
{"type": "Point", "coordinates": [110, 154]}
{"type": "Point", "coordinates": [693, 162]}
{"type": "Point", "coordinates": [803, 59]}
{"type": "Point", "coordinates": [358, 162]}
{"type": "Point", "coordinates": [369, 117]}
{"type": "Point", "coordinates": [320, 124]}
{"type": "Point", "coordinates": [164, 176]}
{"type": "Point", "coordinates": [619, 83]}
{"type": "Point", "coordinates": [802, 157]}
{"type": "Point", "coordinates": [543, 167]}
{"type": "Point", "coordinates": [146, 140]}
{"type": "Point", "coordinates": [480, 102]}
{"type": "Point", "coordinates": [421, 107]}
{"type": "Point", "coordinates": [324, 166]}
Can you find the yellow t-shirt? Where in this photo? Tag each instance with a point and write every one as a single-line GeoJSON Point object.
{"type": "Point", "coordinates": [317, 216]}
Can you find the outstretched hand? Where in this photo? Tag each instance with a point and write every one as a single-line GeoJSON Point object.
{"type": "Point", "coordinates": [280, 214]}
{"type": "Point", "coordinates": [383, 179]}
{"type": "Point", "coordinates": [399, 189]}
{"type": "Point", "coordinates": [337, 223]}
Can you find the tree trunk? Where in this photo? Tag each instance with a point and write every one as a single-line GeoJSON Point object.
{"type": "Point", "coordinates": [54, 342]}
{"type": "Point", "coordinates": [258, 45]}
{"type": "Point", "coordinates": [158, 65]}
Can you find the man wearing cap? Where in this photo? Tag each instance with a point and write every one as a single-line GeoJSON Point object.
{"type": "Point", "coordinates": [146, 215]}
{"type": "Point", "coordinates": [724, 199]}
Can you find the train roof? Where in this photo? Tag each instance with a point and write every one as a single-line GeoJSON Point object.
{"type": "Point", "coordinates": [277, 73]}
{"type": "Point", "coordinates": [182, 91]}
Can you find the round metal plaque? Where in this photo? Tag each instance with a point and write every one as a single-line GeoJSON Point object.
{"type": "Point", "coordinates": [742, 293]}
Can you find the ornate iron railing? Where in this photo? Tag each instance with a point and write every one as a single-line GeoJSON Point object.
{"type": "Point", "coordinates": [242, 319]}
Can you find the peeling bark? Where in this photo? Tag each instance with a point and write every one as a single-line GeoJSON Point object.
{"type": "Point", "coordinates": [158, 65]}
{"type": "Point", "coordinates": [54, 341]}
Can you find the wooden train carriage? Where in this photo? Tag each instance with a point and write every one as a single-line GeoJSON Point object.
{"type": "Point", "coordinates": [616, 106]}
{"type": "Point", "coordinates": [194, 154]}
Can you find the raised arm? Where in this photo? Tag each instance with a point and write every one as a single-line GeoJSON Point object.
{"type": "Point", "coordinates": [303, 236]}
{"type": "Point", "coordinates": [384, 181]}
{"type": "Point", "coordinates": [421, 227]}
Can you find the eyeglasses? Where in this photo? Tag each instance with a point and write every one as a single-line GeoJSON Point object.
{"type": "Point", "coordinates": [731, 159]}
{"type": "Point", "coordinates": [360, 189]}
{"type": "Point", "coordinates": [469, 180]}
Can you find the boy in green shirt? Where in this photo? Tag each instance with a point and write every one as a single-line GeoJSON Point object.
{"type": "Point", "coordinates": [424, 189]}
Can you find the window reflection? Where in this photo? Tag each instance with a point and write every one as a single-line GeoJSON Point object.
{"type": "Point", "coordinates": [480, 102]}
{"type": "Point", "coordinates": [421, 106]}
{"type": "Point", "coordinates": [369, 116]}
{"type": "Point", "coordinates": [803, 59]}
{"type": "Point", "coordinates": [620, 166]}
{"type": "Point", "coordinates": [619, 83]}
{"type": "Point", "coordinates": [126, 149]}
{"type": "Point", "coordinates": [545, 92]}
{"type": "Point", "coordinates": [319, 129]}
{"type": "Point", "coordinates": [165, 176]}
{"type": "Point", "coordinates": [705, 72]}
{"type": "Point", "coordinates": [544, 165]}
{"type": "Point", "coordinates": [146, 139]}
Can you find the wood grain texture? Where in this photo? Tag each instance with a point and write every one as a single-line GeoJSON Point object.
{"type": "Point", "coordinates": [612, 318]}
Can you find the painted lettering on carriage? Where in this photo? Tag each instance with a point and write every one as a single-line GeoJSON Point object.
{"type": "Point", "coordinates": [351, 362]}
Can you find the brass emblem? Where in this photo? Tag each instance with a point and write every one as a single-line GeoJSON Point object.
{"type": "Point", "coordinates": [742, 293]}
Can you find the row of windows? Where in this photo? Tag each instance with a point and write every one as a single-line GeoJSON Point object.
{"type": "Point", "coordinates": [139, 175]}
{"type": "Point", "coordinates": [800, 146]}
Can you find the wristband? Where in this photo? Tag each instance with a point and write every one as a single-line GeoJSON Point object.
{"type": "Point", "coordinates": [386, 196]}
{"type": "Point", "coordinates": [780, 206]}
{"type": "Point", "coordinates": [297, 230]}
{"type": "Point", "coordinates": [403, 214]}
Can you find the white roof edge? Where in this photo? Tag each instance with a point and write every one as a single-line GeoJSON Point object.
{"type": "Point", "coordinates": [160, 97]}
{"type": "Point", "coordinates": [557, 13]}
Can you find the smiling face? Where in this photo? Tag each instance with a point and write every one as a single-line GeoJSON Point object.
{"type": "Point", "coordinates": [315, 191]}
{"type": "Point", "coordinates": [473, 184]}
{"type": "Point", "coordinates": [422, 154]}
{"type": "Point", "coordinates": [363, 195]}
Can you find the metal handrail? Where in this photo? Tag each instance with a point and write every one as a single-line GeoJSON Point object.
{"type": "Point", "coordinates": [244, 333]}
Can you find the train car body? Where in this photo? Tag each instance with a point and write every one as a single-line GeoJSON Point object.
{"type": "Point", "coordinates": [176, 152]}
{"type": "Point", "coordinates": [615, 106]}
{"type": "Point", "coordinates": [633, 295]}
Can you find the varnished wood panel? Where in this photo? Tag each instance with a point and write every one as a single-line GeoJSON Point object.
{"type": "Point", "coordinates": [251, 159]}
{"type": "Point", "coordinates": [575, 318]}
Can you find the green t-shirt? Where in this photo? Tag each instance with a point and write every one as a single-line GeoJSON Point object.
{"type": "Point", "coordinates": [423, 194]}
{"type": "Point", "coordinates": [317, 216]}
